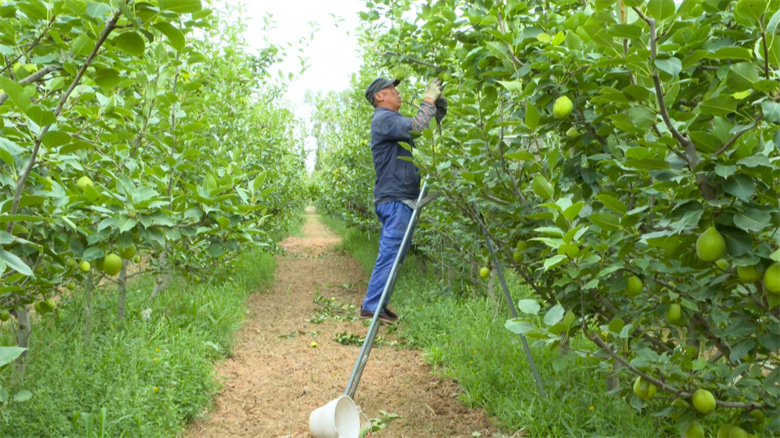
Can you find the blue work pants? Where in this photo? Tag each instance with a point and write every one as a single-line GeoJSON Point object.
{"type": "Point", "coordinates": [395, 217]}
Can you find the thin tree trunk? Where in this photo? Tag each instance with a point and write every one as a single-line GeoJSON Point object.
{"type": "Point", "coordinates": [491, 286]}
{"type": "Point", "coordinates": [162, 278]}
{"type": "Point", "coordinates": [563, 347]}
{"type": "Point", "coordinates": [89, 292]}
{"type": "Point", "coordinates": [23, 336]}
{"type": "Point", "coordinates": [122, 300]}
{"type": "Point", "coordinates": [612, 381]}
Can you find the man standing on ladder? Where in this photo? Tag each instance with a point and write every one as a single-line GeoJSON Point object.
{"type": "Point", "coordinates": [397, 183]}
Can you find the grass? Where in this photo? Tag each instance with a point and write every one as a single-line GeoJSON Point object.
{"type": "Point", "coordinates": [137, 377]}
{"type": "Point", "coordinates": [465, 339]}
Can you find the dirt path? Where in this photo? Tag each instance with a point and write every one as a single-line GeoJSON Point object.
{"type": "Point", "coordinates": [276, 378]}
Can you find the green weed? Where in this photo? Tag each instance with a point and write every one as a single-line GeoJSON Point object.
{"type": "Point", "coordinates": [141, 376]}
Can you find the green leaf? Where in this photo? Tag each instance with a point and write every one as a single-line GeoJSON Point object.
{"type": "Point", "coordinates": [519, 326]}
{"type": "Point", "coordinates": [771, 111]}
{"type": "Point", "coordinates": [15, 263]}
{"type": "Point", "coordinates": [520, 155]}
{"type": "Point", "coordinates": [82, 45]}
{"type": "Point", "coordinates": [771, 27]}
{"type": "Point", "coordinates": [55, 139]}
{"type": "Point", "coordinates": [180, 6]}
{"type": "Point", "coordinates": [612, 203]}
{"type": "Point", "coordinates": [529, 306]}
{"type": "Point", "coordinates": [725, 171]}
{"type": "Point", "coordinates": [766, 84]}
{"type": "Point", "coordinates": [9, 150]}
{"type": "Point", "coordinates": [216, 249]}
{"type": "Point", "coordinates": [531, 116]}
{"type": "Point", "coordinates": [98, 10]}
{"type": "Point", "coordinates": [591, 284]}
{"type": "Point", "coordinates": [616, 325]}
{"type": "Point", "coordinates": [718, 106]}
{"type": "Point", "coordinates": [93, 253]}
{"type": "Point", "coordinates": [40, 115]}
{"type": "Point", "coordinates": [671, 66]}
{"type": "Point", "coordinates": [554, 315]}
{"type": "Point", "coordinates": [705, 141]}
{"type": "Point", "coordinates": [732, 52]}
{"type": "Point", "coordinates": [15, 92]}
{"type": "Point", "coordinates": [571, 212]}
{"type": "Point", "coordinates": [770, 342]}
{"type": "Point", "coordinates": [753, 220]}
{"type": "Point", "coordinates": [625, 31]}
{"type": "Point", "coordinates": [554, 261]}
{"type": "Point", "coordinates": [174, 35]}
{"type": "Point", "coordinates": [489, 20]}
{"type": "Point", "coordinates": [542, 187]}
{"type": "Point", "coordinates": [449, 14]}
{"type": "Point", "coordinates": [127, 224]}
{"type": "Point", "coordinates": [738, 242]}
{"type": "Point", "coordinates": [107, 77]}
{"type": "Point", "coordinates": [10, 354]}
{"type": "Point", "coordinates": [688, 221]}
{"type": "Point", "coordinates": [741, 76]}
{"type": "Point", "coordinates": [605, 220]}
{"type": "Point", "coordinates": [740, 186]}
{"type": "Point", "coordinates": [661, 9]}
{"type": "Point", "coordinates": [643, 118]}
{"type": "Point", "coordinates": [22, 396]}
{"type": "Point", "coordinates": [514, 86]}
{"type": "Point", "coordinates": [560, 363]}
{"type": "Point", "coordinates": [569, 319]}
{"type": "Point", "coordinates": [91, 194]}
{"type": "Point", "coordinates": [752, 9]}
{"type": "Point", "coordinates": [692, 59]}
{"type": "Point", "coordinates": [130, 43]}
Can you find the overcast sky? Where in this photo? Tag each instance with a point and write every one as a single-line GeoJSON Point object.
{"type": "Point", "coordinates": [332, 56]}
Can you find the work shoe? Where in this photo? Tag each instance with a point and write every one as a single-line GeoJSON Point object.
{"type": "Point", "coordinates": [384, 318]}
{"type": "Point", "coordinates": [391, 314]}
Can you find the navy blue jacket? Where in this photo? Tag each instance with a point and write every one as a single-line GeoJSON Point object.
{"type": "Point", "coordinates": [396, 179]}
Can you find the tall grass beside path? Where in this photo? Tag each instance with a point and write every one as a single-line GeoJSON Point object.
{"type": "Point", "coordinates": [150, 374]}
{"type": "Point", "coordinates": [464, 338]}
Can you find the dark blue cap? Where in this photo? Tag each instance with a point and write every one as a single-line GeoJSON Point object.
{"type": "Point", "coordinates": [377, 85]}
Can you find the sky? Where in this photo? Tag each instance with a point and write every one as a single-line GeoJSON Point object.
{"type": "Point", "coordinates": [332, 55]}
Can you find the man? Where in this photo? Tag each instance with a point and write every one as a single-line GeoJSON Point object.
{"type": "Point", "coordinates": [397, 183]}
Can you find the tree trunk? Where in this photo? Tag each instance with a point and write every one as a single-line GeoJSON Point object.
{"type": "Point", "coordinates": [88, 293]}
{"type": "Point", "coordinates": [23, 336]}
{"type": "Point", "coordinates": [563, 347]}
{"type": "Point", "coordinates": [492, 283]}
{"type": "Point", "coordinates": [162, 278]}
{"type": "Point", "coordinates": [612, 381]}
{"type": "Point", "coordinates": [122, 299]}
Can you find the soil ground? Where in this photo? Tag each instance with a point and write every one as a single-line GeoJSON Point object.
{"type": "Point", "coordinates": [276, 378]}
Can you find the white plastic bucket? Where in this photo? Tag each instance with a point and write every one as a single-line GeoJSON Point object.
{"type": "Point", "coordinates": [337, 419]}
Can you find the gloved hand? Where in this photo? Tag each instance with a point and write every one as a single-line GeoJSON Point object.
{"type": "Point", "coordinates": [433, 91]}
{"type": "Point", "coordinates": [441, 108]}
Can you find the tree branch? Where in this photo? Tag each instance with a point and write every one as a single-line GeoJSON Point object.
{"type": "Point", "coordinates": [412, 60]}
{"type": "Point", "coordinates": [32, 78]}
{"type": "Point", "coordinates": [736, 137]}
{"type": "Point", "coordinates": [766, 51]}
{"type": "Point", "coordinates": [33, 44]}
{"type": "Point", "coordinates": [502, 27]}
{"type": "Point", "coordinates": [593, 337]}
{"type": "Point", "coordinates": [110, 26]}
{"type": "Point", "coordinates": [690, 149]}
